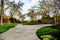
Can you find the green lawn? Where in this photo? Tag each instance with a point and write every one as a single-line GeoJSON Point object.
{"type": "Point", "coordinates": [6, 27]}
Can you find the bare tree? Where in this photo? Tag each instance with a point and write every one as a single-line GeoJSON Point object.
{"type": "Point", "coordinates": [45, 7]}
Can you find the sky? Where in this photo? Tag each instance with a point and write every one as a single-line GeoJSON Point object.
{"type": "Point", "coordinates": [27, 4]}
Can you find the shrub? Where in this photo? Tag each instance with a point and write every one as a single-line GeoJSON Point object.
{"type": "Point", "coordinates": [6, 27]}
{"type": "Point", "coordinates": [48, 30]}
{"type": "Point", "coordinates": [48, 37]}
{"type": "Point", "coordinates": [31, 22]}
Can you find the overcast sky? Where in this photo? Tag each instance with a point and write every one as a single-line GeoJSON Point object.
{"type": "Point", "coordinates": [27, 5]}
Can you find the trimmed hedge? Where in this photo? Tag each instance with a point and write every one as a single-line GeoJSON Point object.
{"type": "Point", "coordinates": [31, 22]}
{"type": "Point", "coordinates": [6, 27]}
{"type": "Point", "coordinates": [49, 30]}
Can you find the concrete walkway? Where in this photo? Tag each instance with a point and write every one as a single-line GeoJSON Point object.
{"type": "Point", "coordinates": [22, 32]}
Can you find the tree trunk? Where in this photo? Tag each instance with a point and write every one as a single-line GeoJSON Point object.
{"type": "Point", "coordinates": [2, 11]}
{"type": "Point", "coordinates": [55, 21]}
{"type": "Point", "coordinates": [1, 21]}
{"type": "Point", "coordinates": [56, 11]}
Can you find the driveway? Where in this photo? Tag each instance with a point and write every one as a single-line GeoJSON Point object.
{"type": "Point", "coordinates": [22, 32]}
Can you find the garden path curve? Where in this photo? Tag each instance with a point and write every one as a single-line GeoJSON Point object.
{"type": "Point", "coordinates": [22, 32]}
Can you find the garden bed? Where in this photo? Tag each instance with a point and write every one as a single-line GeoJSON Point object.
{"type": "Point", "coordinates": [48, 31]}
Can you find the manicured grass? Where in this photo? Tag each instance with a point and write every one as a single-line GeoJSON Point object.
{"type": "Point", "coordinates": [49, 30]}
{"type": "Point", "coordinates": [6, 27]}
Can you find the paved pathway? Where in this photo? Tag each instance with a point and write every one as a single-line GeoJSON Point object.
{"type": "Point", "coordinates": [21, 32]}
